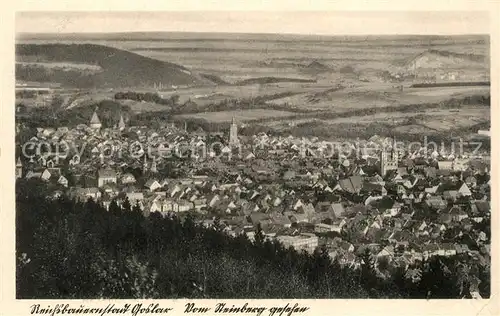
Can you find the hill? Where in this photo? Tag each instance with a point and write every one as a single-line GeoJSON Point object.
{"type": "Point", "coordinates": [444, 59]}
{"type": "Point", "coordinates": [91, 66]}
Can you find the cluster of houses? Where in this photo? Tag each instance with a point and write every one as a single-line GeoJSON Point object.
{"type": "Point", "coordinates": [401, 206]}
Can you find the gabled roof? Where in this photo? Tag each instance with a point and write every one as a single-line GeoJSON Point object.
{"type": "Point", "coordinates": [482, 206]}
{"type": "Point", "coordinates": [95, 119]}
{"type": "Point", "coordinates": [352, 184]}
{"type": "Point", "coordinates": [150, 182]}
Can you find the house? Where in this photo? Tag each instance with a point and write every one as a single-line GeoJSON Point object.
{"type": "Point", "coordinates": [445, 165]}
{"type": "Point", "coordinates": [299, 218]}
{"type": "Point", "coordinates": [461, 248]}
{"type": "Point", "coordinates": [199, 203]}
{"type": "Point", "coordinates": [86, 193]}
{"type": "Point", "coordinates": [461, 164]}
{"type": "Point", "coordinates": [449, 249]}
{"type": "Point", "coordinates": [281, 220]}
{"type": "Point", "coordinates": [256, 217]}
{"type": "Point", "coordinates": [152, 185]}
{"type": "Point", "coordinates": [304, 241]}
{"type": "Point", "coordinates": [338, 210]}
{"type": "Point", "coordinates": [470, 181]}
{"type": "Point", "coordinates": [457, 214]}
{"type": "Point", "coordinates": [483, 207]}
{"type": "Point", "coordinates": [63, 181]}
{"type": "Point", "coordinates": [394, 210]}
{"type": "Point", "coordinates": [324, 228]}
{"type": "Point", "coordinates": [343, 245]}
{"type": "Point", "coordinates": [106, 176]}
{"type": "Point", "coordinates": [464, 190]}
{"type": "Point", "coordinates": [181, 206]}
{"type": "Point", "coordinates": [386, 252]}
{"type": "Point", "coordinates": [450, 195]}
{"type": "Point", "coordinates": [46, 174]}
{"type": "Point", "coordinates": [430, 250]}
{"type": "Point", "coordinates": [135, 197]}
{"type": "Point", "coordinates": [435, 201]}
{"type": "Point", "coordinates": [307, 209]}
{"type": "Point", "coordinates": [213, 200]}
{"type": "Point", "coordinates": [353, 184]}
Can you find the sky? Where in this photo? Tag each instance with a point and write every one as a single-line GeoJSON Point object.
{"type": "Point", "coordinates": [289, 22]}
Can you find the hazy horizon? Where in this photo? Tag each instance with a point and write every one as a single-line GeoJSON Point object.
{"type": "Point", "coordinates": [253, 33]}
{"type": "Point", "coordinates": [314, 23]}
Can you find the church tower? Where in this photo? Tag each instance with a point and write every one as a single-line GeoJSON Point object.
{"type": "Point", "coordinates": [388, 161]}
{"type": "Point", "coordinates": [154, 167]}
{"type": "Point", "coordinates": [19, 168]}
{"type": "Point", "coordinates": [233, 134]}
{"type": "Point", "coordinates": [95, 123]}
{"type": "Point", "coordinates": [121, 124]}
{"type": "Point", "coordinates": [145, 164]}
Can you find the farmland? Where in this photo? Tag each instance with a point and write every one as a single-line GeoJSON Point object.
{"type": "Point", "coordinates": [431, 119]}
{"type": "Point", "coordinates": [241, 116]}
{"type": "Point", "coordinates": [286, 83]}
{"type": "Point", "coordinates": [375, 96]}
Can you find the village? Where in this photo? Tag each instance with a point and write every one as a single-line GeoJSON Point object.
{"type": "Point", "coordinates": [402, 206]}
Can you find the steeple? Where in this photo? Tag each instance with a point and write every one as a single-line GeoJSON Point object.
{"type": "Point", "coordinates": [233, 133]}
{"type": "Point", "coordinates": [94, 121]}
{"type": "Point", "coordinates": [145, 164]}
{"type": "Point", "coordinates": [154, 168]}
{"type": "Point", "coordinates": [121, 124]}
{"type": "Point", "coordinates": [388, 161]}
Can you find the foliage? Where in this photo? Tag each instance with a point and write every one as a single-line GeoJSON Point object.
{"type": "Point", "coordinates": [147, 97]}
{"type": "Point", "coordinates": [68, 249]}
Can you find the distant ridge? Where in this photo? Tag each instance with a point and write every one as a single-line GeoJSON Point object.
{"type": "Point", "coordinates": [119, 68]}
{"type": "Point", "coordinates": [472, 57]}
{"type": "Point", "coordinates": [222, 36]}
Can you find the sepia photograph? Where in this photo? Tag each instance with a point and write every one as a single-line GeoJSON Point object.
{"type": "Point", "coordinates": [244, 155]}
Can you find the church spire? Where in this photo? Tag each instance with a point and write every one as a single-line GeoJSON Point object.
{"type": "Point", "coordinates": [233, 133]}
{"type": "Point", "coordinates": [121, 124]}
{"type": "Point", "coordinates": [145, 164]}
{"type": "Point", "coordinates": [95, 122]}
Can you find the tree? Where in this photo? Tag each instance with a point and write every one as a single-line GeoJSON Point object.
{"type": "Point", "coordinates": [259, 236]}
{"type": "Point", "coordinates": [137, 208]}
{"type": "Point", "coordinates": [126, 206]}
{"type": "Point", "coordinates": [368, 276]}
{"type": "Point", "coordinates": [114, 208]}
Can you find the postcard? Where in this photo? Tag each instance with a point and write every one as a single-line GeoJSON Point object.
{"type": "Point", "coordinates": [260, 159]}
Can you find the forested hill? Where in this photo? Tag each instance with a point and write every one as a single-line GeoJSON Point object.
{"type": "Point", "coordinates": [97, 66]}
{"type": "Point", "coordinates": [74, 250]}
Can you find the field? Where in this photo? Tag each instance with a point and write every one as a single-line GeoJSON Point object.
{"type": "Point", "coordinates": [240, 116]}
{"type": "Point", "coordinates": [431, 119]}
{"type": "Point", "coordinates": [288, 82]}
{"type": "Point", "coordinates": [376, 95]}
